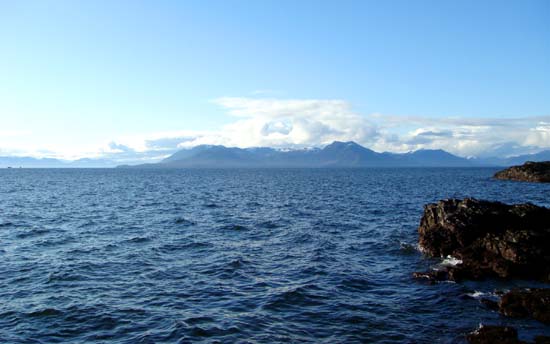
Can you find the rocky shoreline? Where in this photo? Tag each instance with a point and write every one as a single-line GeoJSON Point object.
{"type": "Point", "coordinates": [489, 239]}
{"type": "Point", "coordinates": [538, 172]}
{"type": "Point", "coordinates": [484, 239]}
{"type": "Point", "coordinates": [533, 303]}
{"type": "Point", "coordinates": [500, 335]}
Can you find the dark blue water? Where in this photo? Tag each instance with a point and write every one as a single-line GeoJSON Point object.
{"type": "Point", "coordinates": [246, 256]}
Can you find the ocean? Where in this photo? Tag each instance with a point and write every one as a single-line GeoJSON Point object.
{"type": "Point", "coordinates": [236, 256]}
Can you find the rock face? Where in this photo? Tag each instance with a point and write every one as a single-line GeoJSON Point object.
{"type": "Point", "coordinates": [500, 334]}
{"type": "Point", "coordinates": [491, 239]}
{"type": "Point", "coordinates": [528, 172]}
{"type": "Point", "coordinates": [494, 334]}
{"type": "Point", "coordinates": [533, 303]}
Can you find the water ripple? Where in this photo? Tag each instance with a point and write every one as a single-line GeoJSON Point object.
{"type": "Point", "coordinates": [244, 256]}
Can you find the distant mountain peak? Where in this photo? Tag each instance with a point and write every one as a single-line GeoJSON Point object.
{"type": "Point", "coordinates": [344, 143]}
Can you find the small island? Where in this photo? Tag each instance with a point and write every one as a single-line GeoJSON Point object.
{"type": "Point", "coordinates": [538, 172]}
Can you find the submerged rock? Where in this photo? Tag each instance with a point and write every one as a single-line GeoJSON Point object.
{"type": "Point", "coordinates": [494, 334]}
{"type": "Point", "coordinates": [490, 239]}
{"type": "Point", "coordinates": [533, 303]}
{"type": "Point", "coordinates": [528, 172]}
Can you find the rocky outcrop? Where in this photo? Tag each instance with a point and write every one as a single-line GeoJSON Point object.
{"type": "Point", "coordinates": [528, 172]}
{"type": "Point", "coordinates": [534, 303]}
{"type": "Point", "coordinates": [500, 334]}
{"type": "Point", "coordinates": [494, 334]}
{"type": "Point", "coordinates": [488, 239]}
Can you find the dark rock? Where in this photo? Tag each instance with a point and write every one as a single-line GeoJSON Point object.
{"type": "Point", "coordinates": [491, 239]}
{"type": "Point", "coordinates": [491, 304]}
{"type": "Point", "coordinates": [533, 303]}
{"type": "Point", "coordinates": [432, 276]}
{"type": "Point", "coordinates": [528, 172]}
{"type": "Point", "coordinates": [494, 334]}
{"type": "Point", "coordinates": [542, 340]}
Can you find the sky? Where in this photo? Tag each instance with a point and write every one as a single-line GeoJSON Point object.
{"type": "Point", "coordinates": [142, 79]}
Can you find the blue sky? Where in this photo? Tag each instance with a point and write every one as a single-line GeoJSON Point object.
{"type": "Point", "coordinates": [101, 78]}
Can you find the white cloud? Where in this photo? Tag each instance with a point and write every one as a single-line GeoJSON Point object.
{"type": "Point", "coordinates": [287, 123]}
{"type": "Point", "coordinates": [463, 136]}
{"type": "Point", "coordinates": [294, 123]}
{"type": "Point", "coordinates": [539, 136]}
{"type": "Point", "coordinates": [313, 122]}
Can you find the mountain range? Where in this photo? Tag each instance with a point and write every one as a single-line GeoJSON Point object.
{"type": "Point", "coordinates": [336, 154]}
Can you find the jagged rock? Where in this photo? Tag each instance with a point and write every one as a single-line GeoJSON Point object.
{"type": "Point", "coordinates": [490, 238]}
{"type": "Point", "coordinates": [533, 303]}
{"type": "Point", "coordinates": [528, 172]}
{"type": "Point", "coordinates": [494, 334]}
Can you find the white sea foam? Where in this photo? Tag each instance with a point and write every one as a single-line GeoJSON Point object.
{"type": "Point", "coordinates": [451, 261]}
{"type": "Point", "coordinates": [478, 328]}
{"type": "Point", "coordinates": [477, 294]}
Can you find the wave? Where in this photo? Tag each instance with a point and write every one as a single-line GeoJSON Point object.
{"type": "Point", "coordinates": [233, 227]}
{"type": "Point", "coordinates": [6, 224]}
{"type": "Point", "coordinates": [138, 240]}
{"type": "Point", "coordinates": [184, 222]}
{"type": "Point", "coordinates": [176, 247]}
{"type": "Point", "coordinates": [302, 296]}
{"type": "Point", "coordinates": [32, 233]}
{"type": "Point", "coordinates": [46, 312]}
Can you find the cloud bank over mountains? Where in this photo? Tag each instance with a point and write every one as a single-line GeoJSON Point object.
{"type": "Point", "coordinates": [288, 123]}
{"type": "Point", "coordinates": [470, 136]}
{"type": "Point", "coordinates": [301, 123]}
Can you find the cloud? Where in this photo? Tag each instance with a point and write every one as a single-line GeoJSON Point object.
{"type": "Point", "coordinates": [434, 133]}
{"type": "Point", "coordinates": [166, 143]}
{"type": "Point", "coordinates": [287, 123]}
{"type": "Point", "coordinates": [465, 136]}
{"type": "Point", "coordinates": [118, 148]}
{"type": "Point", "coordinates": [144, 148]}
{"type": "Point", "coordinates": [426, 135]}
{"type": "Point", "coordinates": [298, 123]}
{"type": "Point", "coordinates": [539, 136]}
{"type": "Point", "coordinates": [280, 127]}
